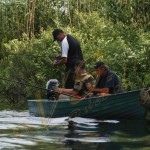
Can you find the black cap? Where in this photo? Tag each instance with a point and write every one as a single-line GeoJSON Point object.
{"type": "Point", "coordinates": [56, 32]}
{"type": "Point", "coordinates": [98, 64]}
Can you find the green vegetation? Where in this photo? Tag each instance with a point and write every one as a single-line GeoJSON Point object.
{"type": "Point", "coordinates": [13, 106]}
{"type": "Point", "coordinates": [114, 31]}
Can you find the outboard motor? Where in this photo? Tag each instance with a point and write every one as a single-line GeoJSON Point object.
{"type": "Point", "coordinates": [50, 86]}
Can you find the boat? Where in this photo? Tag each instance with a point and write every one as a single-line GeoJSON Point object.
{"type": "Point", "coordinates": [124, 105]}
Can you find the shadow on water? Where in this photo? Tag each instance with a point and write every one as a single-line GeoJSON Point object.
{"type": "Point", "coordinates": [106, 135]}
{"type": "Point", "coordinates": [82, 137]}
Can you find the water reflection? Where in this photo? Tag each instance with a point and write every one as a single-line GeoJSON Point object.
{"type": "Point", "coordinates": [83, 136]}
{"type": "Point", "coordinates": [19, 130]}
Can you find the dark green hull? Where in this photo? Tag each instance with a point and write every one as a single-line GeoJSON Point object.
{"type": "Point", "coordinates": [118, 106]}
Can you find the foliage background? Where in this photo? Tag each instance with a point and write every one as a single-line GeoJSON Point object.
{"type": "Point", "coordinates": [114, 31]}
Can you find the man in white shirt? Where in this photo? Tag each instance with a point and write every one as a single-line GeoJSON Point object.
{"type": "Point", "coordinates": [71, 53]}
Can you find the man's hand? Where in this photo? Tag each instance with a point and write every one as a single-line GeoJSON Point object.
{"type": "Point", "coordinates": [61, 61]}
{"type": "Point", "coordinates": [57, 60]}
{"type": "Point", "coordinates": [58, 90]}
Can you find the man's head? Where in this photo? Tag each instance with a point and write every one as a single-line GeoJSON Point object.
{"type": "Point", "coordinates": [100, 68]}
{"type": "Point", "coordinates": [58, 35]}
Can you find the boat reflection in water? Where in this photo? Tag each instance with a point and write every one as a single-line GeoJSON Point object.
{"type": "Point", "coordinates": [19, 130]}
{"type": "Point", "coordinates": [107, 134]}
{"type": "Point", "coordinates": [84, 134]}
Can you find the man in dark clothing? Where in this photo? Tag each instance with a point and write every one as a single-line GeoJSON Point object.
{"type": "Point", "coordinates": [71, 52]}
{"type": "Point", "coordinates": [108, 82]}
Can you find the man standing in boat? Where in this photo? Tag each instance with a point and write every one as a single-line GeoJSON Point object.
{"type": "Point", "coordinates": [71, 52]}
{"type": "Point", "coordinates": [108, 82]}
{"type": "Point", "coordinates": [84, 84]}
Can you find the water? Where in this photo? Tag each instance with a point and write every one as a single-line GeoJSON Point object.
{"type": "Point", "coordinates": [19, 130]}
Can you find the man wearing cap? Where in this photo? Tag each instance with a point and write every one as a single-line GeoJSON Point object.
{"type": "Point", "coordinates": [108, 82]}
{"type": "Point", "coordinates": [71, 52]}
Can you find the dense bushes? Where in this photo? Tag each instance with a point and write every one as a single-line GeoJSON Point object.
{"type": "Point", "coordinates": [105, 32]}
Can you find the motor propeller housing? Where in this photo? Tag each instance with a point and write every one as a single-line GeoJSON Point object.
{"type": "Point", "coordinates": [50, 86]}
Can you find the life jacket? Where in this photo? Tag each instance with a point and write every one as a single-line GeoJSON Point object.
{"type": "Point", "coordinates": [80, 85]}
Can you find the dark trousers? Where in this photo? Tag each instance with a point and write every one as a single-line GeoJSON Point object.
{"type": "Point", "coordinates": [69, 79]}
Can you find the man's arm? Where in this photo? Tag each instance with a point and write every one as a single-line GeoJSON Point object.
{"type": "Point", "coordinates": [100, 90]}
{"type": "Point", "coordinates": [63, 90]}
{"type": "Point", "coordinates": [64, 50]}
{"type": "Point", "coordinates": [63, 60]}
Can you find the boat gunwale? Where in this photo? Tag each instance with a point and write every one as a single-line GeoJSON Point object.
{"type": "Point", "coordinates": [95, 97]}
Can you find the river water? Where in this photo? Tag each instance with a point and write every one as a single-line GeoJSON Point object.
{"type": "Point", "coordinates": [20, 131]}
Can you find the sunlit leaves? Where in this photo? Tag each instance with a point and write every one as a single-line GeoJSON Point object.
{"type": "Point", "coordinates": [114, 31]}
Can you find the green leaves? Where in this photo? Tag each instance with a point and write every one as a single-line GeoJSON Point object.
{"type": "Point", "coordinates": [114, 31]}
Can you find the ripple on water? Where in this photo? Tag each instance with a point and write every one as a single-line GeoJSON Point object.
{"type": "Point", "coordinates": [20, 135]}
